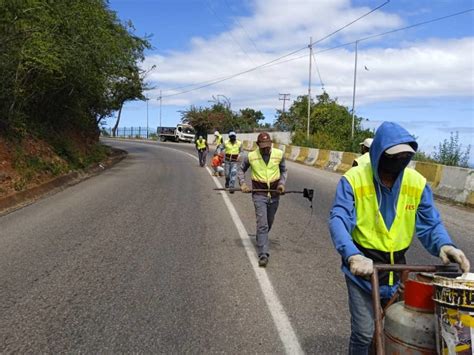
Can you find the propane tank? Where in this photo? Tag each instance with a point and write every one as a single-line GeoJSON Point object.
{"type": "Point", "coordinates": [409, 326]}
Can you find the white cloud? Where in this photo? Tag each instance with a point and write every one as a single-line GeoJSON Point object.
{"type": "Point", "coordinates": [438, 67]}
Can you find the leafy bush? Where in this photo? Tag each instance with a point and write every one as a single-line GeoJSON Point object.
{"type": "Point", "coordinates": [449, 152]}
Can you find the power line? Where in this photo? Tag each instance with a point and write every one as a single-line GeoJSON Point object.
{"type": "Point", "coordinates": [319, 74]}
{"type": "Point", "coordinates": [246, 33]}
{"type": "Point", "coordinates": [350, 23]}
{"type": "Point", "coordinates": [216, 81]}
{"type": "Point", "coordinates": [230, 32]}
{"type": "Point", "coordinates": [396, 30]}
{"type": "Point", "coordinates": [277, 60]}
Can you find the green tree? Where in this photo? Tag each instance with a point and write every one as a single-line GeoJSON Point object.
{"type": "Point", "coordinates": [330, 124]}
{"type": "Point", "coordinates": [62, 63]}
{"type": "Point", "coordinates": [449, 152]}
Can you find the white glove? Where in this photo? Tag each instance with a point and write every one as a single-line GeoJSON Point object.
{"type": "Point", "coordinates": [448, 254]}
{"type": "Point", "coordinates": [360, 265]}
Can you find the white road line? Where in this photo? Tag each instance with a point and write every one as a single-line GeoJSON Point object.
{"type": "Point", "coordinates": [285, 330]}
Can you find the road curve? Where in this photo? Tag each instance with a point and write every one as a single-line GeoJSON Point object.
{"type": "Point", "coordinates": [147, 258]}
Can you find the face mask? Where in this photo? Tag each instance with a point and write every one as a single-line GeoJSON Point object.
{"type": "Point", "coordinates": [393, 165]}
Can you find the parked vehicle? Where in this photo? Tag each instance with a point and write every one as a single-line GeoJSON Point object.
{"type": "Point", "coordinates": [180, 133]}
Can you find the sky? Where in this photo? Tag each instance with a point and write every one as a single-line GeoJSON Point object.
{"type": "Point", "coordinates": [421, 77]}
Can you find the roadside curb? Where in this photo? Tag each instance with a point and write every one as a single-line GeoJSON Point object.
{"type": "Point", "coordinates": [15, 201]}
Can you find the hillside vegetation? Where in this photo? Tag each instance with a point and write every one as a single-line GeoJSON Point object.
{"type": "Point", "coordinates": [65, 66]}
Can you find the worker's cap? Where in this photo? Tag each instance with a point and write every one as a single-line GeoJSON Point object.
{"type": "Point", "coordinates": [400, 148]}
{"type": "Point", "coordinates": [216, 133]}
{"type": "Point", "coordinates": [232, 134]}
{"type": "Point", "coordinates": [367, 142]}
{"type": "Point", "coordinates": [264, 140]}
{"type": "Point", "coordinates": [200, 137]}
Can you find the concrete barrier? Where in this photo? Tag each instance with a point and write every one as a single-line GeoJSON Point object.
{"type": "Point", "coordinates": [295, 151]}
{"type": "Point", "coordinates": [432, 172]}
{"type": "Point", "coordinates": [456, 184]}
{"type": "Point", "coordinates": [335, 159]}
{"type": "Point", "coordinates": [312, 156]}
{"type": "Point", "coordinates": [346, 161]}
{"type": "Point", "coordinates": [288, 151]}
{"type": "Point", "coordinates": [450, 183]}
{"type": "Point", "coordinates": [323, 159]}
{"type": "Point", "coordinates": [304, 151]}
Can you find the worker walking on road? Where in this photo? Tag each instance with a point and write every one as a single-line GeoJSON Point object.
{"type": "Point", "coordinates": [268, 173]}
{"type": "Point", "coordinates": [364, 159]}
{"type": "Point", "coordinates": [219, 142]}
{"type": "Point", "coordinates": [377, 209]}
{"type": "Point", "coordinates": [202, 148]}
{"type": "Point", "coordinates": [233, 149]}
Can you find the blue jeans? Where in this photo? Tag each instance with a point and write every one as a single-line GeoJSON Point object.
{"type": "Point", "coordinates": [230, 173]}
{"type": "Point", "coordinates": [362, 314]}
{"type": "Point", "coordinates": [362, 319]}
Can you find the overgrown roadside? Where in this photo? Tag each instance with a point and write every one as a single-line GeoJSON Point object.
{"type": "Point", "coordinates": [32, 168]}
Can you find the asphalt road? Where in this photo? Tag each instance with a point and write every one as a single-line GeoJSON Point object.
{"type": "Point", "coordinates": [147, 258]}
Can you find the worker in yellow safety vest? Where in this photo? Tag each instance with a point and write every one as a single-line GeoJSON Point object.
{"type": "Point", "coordinates": [232, 149]}
{"type": "Point", "coordinates": [364, 159]}
{"type": "Point", "coordinates": [377, 209]}
{"type": "Point", "coordinates": [202, 147]}
{"type": "Point", "coordinates": [268, 173]}
{"type": "Point", "coordinates": [219, 142]}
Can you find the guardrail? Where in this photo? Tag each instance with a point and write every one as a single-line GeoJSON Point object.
{"type": "Point", "coordinates": [448, 182]}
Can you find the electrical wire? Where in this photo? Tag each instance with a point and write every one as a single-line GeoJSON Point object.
{"type": "Point", "coordinates": [219, 80]}
{"type": "Point", "coordinates": [317, 70]}
{"type": "Point", "coordinates": [246, 33]}
{"type": "Point", "coordinates": [278, 61]}
{"type": "Point", "coordinates": [395, 30]}
{"type": "Point", "coordinates": [230, 32]}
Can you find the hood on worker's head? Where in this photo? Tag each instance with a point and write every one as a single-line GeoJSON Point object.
{"type": "Point", "coordinates": [388, 135]}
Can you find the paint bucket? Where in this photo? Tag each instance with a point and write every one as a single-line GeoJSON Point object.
{"type": "Point", "coordinates": [454, 310]}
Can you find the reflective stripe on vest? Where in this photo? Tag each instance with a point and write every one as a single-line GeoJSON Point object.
{"type": "Point", "coordinates": [370, 231]}
{"type": "Point", "coordinates": [201, 144]}
{"type": "Point", "coordinates": [232, 148]}
{"type": "Point", "coordinates": [265, 173]}
{"type": "Point", "coordinates": [364, 159]}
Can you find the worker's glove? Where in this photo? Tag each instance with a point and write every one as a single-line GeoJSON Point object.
{"type": "Point", "coordinates": [244, 188]}
{"type": "Point", "coordinates": [281, 189]}
{"type": "Point", "coordinates": [360, 265]}
{"type": "Point", "coordinates": [448, 254]}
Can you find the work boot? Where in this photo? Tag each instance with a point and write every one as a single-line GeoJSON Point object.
{"type": "Point", "coordinates": [262, 260]}
{"type": "Point", "coordinates": [226, 183]}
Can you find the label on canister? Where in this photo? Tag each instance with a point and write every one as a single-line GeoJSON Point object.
{"type": "Point", "coordinates": [454, 310]}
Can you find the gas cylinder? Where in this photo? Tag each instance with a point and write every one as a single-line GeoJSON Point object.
{"type": "Point", "coordinates": [410, 325]}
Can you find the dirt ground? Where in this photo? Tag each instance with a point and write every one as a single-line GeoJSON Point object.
{"type": "Point", "coordinates": [17, 175]}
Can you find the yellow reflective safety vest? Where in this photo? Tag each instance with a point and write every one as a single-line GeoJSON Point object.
{"type": "Point", "coordinates": [364, 159]}
{"type": "Point", "coordinates": [232, 149]}
{"type": "Point", "coordinates": [265, 176]}
{"type": "Point", "coordinates": [370, 231]}
{"type": "Point", "coordinates": [201, 144]}
{"type": "Point", "coordinates": [219, 139]}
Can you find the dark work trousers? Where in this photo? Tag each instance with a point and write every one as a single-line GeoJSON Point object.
{"type": "Point", "coordinates": [202, 154]}
{"type": "Point", "coordinates": [265, 210]}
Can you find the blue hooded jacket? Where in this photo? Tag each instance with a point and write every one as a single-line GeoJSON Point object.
{"type": "Point", "coordinates": [429, 228]}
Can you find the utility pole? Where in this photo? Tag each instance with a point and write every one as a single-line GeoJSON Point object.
{"type": "Point", "coordinates": [146, 98]}
{"type": "Point", "coordinates": [309, 84]}
{"type": "Point", "coordinates": [354, 89]}
{"type": "Point", "coordinates": [161, 99]}
{"type": "Point", "coordinates": [284, 98]}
